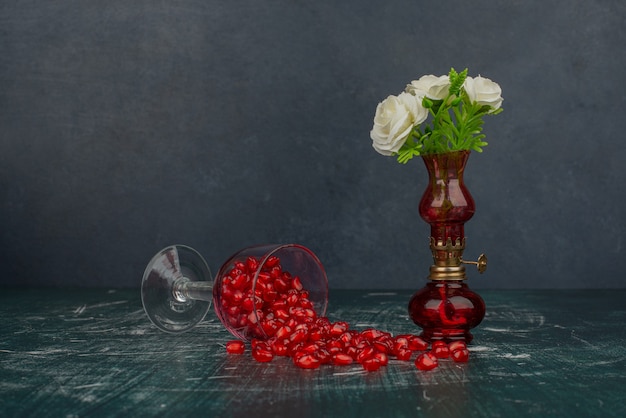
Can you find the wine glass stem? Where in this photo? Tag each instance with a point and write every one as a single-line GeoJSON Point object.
{"type": "Point", "coordinates": [185, 289]}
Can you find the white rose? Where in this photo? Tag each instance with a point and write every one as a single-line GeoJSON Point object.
{"type": "Point", "coordinates": [483, 91]}
{"type": "Point", "coordinates": [431, 86]}
{"type": "Point", "coordinates": [394, 120]}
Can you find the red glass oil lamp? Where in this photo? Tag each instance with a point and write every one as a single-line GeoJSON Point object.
{"type": "Point", "coordinates": [446, 309]}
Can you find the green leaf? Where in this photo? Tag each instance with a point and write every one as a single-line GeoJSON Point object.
{"type": "Point", "coordinates": [404, 155]}
{"type": "Point", "coordinates": [456, 81]}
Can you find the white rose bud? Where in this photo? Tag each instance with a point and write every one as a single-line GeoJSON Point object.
{"type": "Point", "coordinates": [484, 92]}
{"type": "Point", "coordinates": [431, 86]}
{"type": "Point", "coordinates": [394, 120]}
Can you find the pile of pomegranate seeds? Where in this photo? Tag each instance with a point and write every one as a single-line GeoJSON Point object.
{"type": "Point", "coordinates": [279, 319]}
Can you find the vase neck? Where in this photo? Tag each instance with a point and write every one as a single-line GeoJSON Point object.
{"type": "Point", "coordinates": [446, 204]}
{"type": "Point", "coordinates": [449, 165]}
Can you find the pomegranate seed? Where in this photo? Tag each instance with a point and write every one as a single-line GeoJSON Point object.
{"type": "Point", "coordinates": [252, 265]}
{"type": "Point", "coordinates": [342, 359]}
{"type": "Point", "coordinates": [309, 313]}
{"type": "Point", "coordinates": [303, 326]}
{"type": "Point", "coordinates": [352, 352]}
{"type": "Point", "coordinates": [417, 344]}
{"type": "Point", "coordinates": [271, 262]}
{"type": "Point", "coordinates": [282, 314]}
{"type": "Point", "coordinates": [270, 327]}
{"type": "Point", "coordinates": [334, 346]}
{"type": "Point", "coordinates": [233, 311]}
{"type": "Point", "coordinates": [283, 332]}
{"type": "Point", "coordinates": [365, 354]}
{"type": "Point", "coordinates": [262, 355]}
{"type": "Point", "coordinates": [460, 355]}
{"type": "Point", "coordinates": [255, 316]}
{"type": "Point", "coordinates": [315, 334]}
{"type": "Point", "coordinates": [237, 296]}
{"type": "Point", "coordinates": [263, 278]}
{"type": "Point", "coordinates": [371, 364]}
{"type": "Point", "coordinates": [404, 354]}
{"type": "Point", "coordinates": [384, 344]}
{"type": "Point", "coordinates": [294, 348]}
{"type": "Point", "coordinates": [400, 342]}
{"type": "Point", "coordinates": [372, 334]}
{"type": "Point", "coordinates": [248, 304]}
{"type": "Point", "coordinates": [235, 347]}
{"type": "Point", "coordinates": [279, 348]}
{"type": "Point", "coordinates": [381, 347]}
{"type": "Point", "coordinates": [241, 281]}
{"type": "Point", "coordinates": [346, 337]}
{"type": "Point", "coordinates": [338, 328]}
{"type": "Point", "coordinates": [269, 295]}
{"type": "Point", "coordinates": [322, 322]}
{"type": "Point", "coordinates": [306, 361]}
{"type": "Point", "coordinates": [440, 349]}
{"type": "Point", "coordinates": [275, 272]}
{"type": "Point", "coordinates": [382, 358]}
{"type": "Point", "coordinates": [323, 356]}
{"type": "Point", "coordinates": [235, 271]}
{"type": "Point", "coordinates": [296, 283]}
{"type": "Point", "coordinates": [426, 361]}
{"type": "Point", "coordinates": [457, 345]}
{"type": "Point", "coordinates": [292, 299]}
{"type": "Point", "coordinates": [279, 304]}
{"type": "Point", "coordinates": [298, 336]}
{"type": "Point", "coordinates": [281, 285]}
{"type": "Point", "coordinates": [226, 292]}
{"type": "Point", "coordinates": [311, 348]}
{"type": "Point", "coordinates": [305, 303]}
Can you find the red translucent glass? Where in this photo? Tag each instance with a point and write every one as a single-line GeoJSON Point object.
{"type": "Point", "coordinates": [446, 310]}
{"type": "Point", "coordinates": [446, 204]}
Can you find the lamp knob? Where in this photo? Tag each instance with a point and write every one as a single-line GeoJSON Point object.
{"type": "Point", "coordinates": [481, 263]}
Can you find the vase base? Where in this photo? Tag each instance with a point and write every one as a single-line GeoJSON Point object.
{"type": "Point", "coordinates": [447, 335]}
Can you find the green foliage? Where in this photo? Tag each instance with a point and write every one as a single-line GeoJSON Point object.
{"type": "Point", "coordinates": [456, 81]}
{"type": "Point", "coordinates": [456, 124]}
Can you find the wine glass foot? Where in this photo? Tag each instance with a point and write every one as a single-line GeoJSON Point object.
{"type": "Point", "coordinates": [164, 285]}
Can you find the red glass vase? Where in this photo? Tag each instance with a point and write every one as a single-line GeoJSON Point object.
{"type": "Point", "coordinates": [446, 308]}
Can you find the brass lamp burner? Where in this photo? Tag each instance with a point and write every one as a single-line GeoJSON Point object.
{"type": "Point", "coordinates": [448, 260]}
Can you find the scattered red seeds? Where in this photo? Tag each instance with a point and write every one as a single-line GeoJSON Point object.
{"type": "Point", "coordinates": [456, 345]}
{"type": "Point", "coordinates": [461, 355]}
{"type": "Point", "coordinates": [417, 344]}
{"type": "Point", "coordinates": [306, 361]}
{"type": "Point", "coordinates": [235, 347]}
{"type": "Point", "coordinates": [440, 349]}
{"type": "Point", "coordinates": [262, 354]}
{"type": "Point", "coordinates": [382, 358]}
{"type": "Point", "coordinates": [371, 364]}
{"type": "Point", "coordinates": [426, 361]}
{"type": "Point", "coordinates": [404, 354]}
{"type": "Point", "coordinates": [365, 353]}
{"type": "Point", "coordinates": [342, 359]}
{"type": "Point", "coordinates": [279, 319]}
{"type": "Point", "coordinates": [279, 348]}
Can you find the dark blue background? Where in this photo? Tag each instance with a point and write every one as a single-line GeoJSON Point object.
{"type": "Point", "coordinates": [126, 126]}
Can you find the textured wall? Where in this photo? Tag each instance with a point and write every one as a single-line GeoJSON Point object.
{"type": "Point", "coordinates": [128, 126]}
